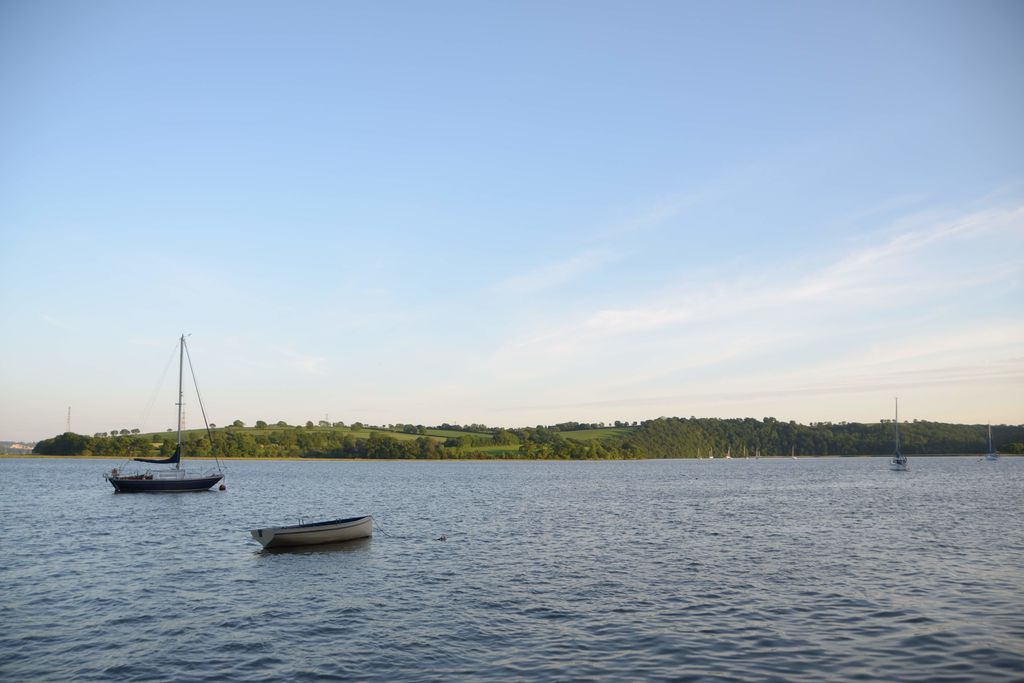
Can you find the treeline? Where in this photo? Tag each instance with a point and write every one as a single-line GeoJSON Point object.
{"type": "Point", "coordinates": [484, 429]}
{"type": "Point", "coordinates": [581, 426]}
{"type": "Point", "coordinates": [660, 438]}
{"type": "Point", "coordinates": [675, 437]}
{"type": "Point", "coordinates": [547, 444]}
{"type": "Point", "coordinates": [232, 443]}
{"type": "Point", "coordinates": [531, 443]}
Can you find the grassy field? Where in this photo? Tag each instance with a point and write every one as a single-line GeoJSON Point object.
{"type": "Point", "coordinates": [436, 434]}
{"type": "Point", "coordinates": [401, 436]}
{"type": "Point", "coordinates": [493, 451]}
{"type": "Point", "coordinates": [453, 434]}
{"type": "Point", "coordinates": [591, 434]}
{"type": "Point", "coordinates": [355, 433]}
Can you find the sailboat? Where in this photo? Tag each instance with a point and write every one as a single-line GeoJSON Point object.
{"type": "Point", "coordinates": [899, 462]}
{"type": "Point", "coordinates": [174, 480]}
{"type": "Point", "coordinates": [991, 455]}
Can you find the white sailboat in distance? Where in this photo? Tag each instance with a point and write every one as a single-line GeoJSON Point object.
{"type": "Point", "coordinates": [991, 455]}
{"type": "Point", "coordinates": [899, 462]}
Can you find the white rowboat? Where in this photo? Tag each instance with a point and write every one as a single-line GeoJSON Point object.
{"type": "Point", "coordinates": [315, 533]}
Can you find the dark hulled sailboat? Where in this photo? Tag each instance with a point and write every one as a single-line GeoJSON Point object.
{"type": "Point", "coordinates": [175, 480]}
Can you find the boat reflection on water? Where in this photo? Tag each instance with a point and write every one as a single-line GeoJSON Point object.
{"type": "Point", "coordinates": [357, 545]}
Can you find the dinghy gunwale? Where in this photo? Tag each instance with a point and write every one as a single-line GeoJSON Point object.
{"type": "Point", "coordinates": [297, 534]}
{"type": "Point", "coordinates": [318, 524]}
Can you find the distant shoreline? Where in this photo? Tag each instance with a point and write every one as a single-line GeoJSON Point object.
{"type": "Point", "coordinates": [9, 456]}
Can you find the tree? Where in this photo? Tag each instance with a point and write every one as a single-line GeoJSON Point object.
{"type": "Point", "coordinates": [281, 423]}
{"type": "Point", "coordinates": [237, 423]}
{"type": "Point", "coordinates": [324, 423]}
{"type": "Point", "coordinates": [67, 443]}
{"type": "Point", "coordinates": [135, 431]}
{"type": "Point", "coordinates": [124, 432]}
{"type": "Point", "coordinates": [505, 438]}
{"type": "Point", "coordinates": [309, 424]}
{"type": "Point", "coordinates": [260, 424]}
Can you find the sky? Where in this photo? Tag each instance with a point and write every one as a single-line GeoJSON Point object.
{"type": "Point", "coordinates": [510, 213]}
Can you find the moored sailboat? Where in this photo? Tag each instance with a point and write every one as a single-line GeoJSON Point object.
{"type": "Point", "coordinates": [175, 480]}
{"type": "Point", "coordinates": [991, 455]}
{"type": "Point", "coordinates": [899, 462]}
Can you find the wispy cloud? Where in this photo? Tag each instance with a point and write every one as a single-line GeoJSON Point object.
{"type": "Point", "coordinates": [55, 322]}
{"type": "Point", "coordinates": [555, 274]}
{"type": "Point", "coordinates": [867, 270]}
{"type": "Point", "coordinates": [1007, 371]}
{"type": "Point", "coordinates": [820, 310]}
{"type": "Point", "coordinates": [304, 363]}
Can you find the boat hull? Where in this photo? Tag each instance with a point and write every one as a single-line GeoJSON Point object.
{"type": "Point", "coordinates": [333, 531]}
{"type": "Point", "coordinates": [156, 485]}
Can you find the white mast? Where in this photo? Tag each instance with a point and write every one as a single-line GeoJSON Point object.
{"type": "Point", "coordinates": [897, 398]}
{"type": "Point", "coordinates": [181, 395]}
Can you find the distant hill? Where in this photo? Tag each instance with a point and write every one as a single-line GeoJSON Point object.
{"type": "Point", "coordinates": [683, 437]}
{"type": "Point", "coordinates": [671, 437]}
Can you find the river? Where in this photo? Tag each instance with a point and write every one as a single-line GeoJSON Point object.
{"type": "Point", "coordinates": [797, 570]}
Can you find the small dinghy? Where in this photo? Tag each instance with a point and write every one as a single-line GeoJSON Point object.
{"type": "Point", "coordinates": [315, 533]}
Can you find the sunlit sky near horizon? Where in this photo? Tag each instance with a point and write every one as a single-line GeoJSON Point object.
{"type": "Point", "coordinates": [511, 213]}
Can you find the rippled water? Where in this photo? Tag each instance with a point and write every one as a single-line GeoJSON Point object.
{"type": "Point", "coordinates": [684, 570]}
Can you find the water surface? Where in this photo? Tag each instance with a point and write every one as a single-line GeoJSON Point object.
{"type": "Point", "coordinates": [663, 570]}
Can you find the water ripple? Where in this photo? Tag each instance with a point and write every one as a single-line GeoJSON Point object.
{"type": "Point", "coordinates": [653, 570]}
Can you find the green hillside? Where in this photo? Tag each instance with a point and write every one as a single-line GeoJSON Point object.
{"type": "Point", "coordinates": [600, 434]}
{"type": "Point", "coordinates": [661, 438]}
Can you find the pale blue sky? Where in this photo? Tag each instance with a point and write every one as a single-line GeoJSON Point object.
{"type": "Point", "coordinates": [511, 213]}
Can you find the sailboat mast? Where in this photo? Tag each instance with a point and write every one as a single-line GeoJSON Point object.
{"type": "Point", "coordinates": [181, 394]}
{"type": "Point", "coordinates": [897, 424]}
